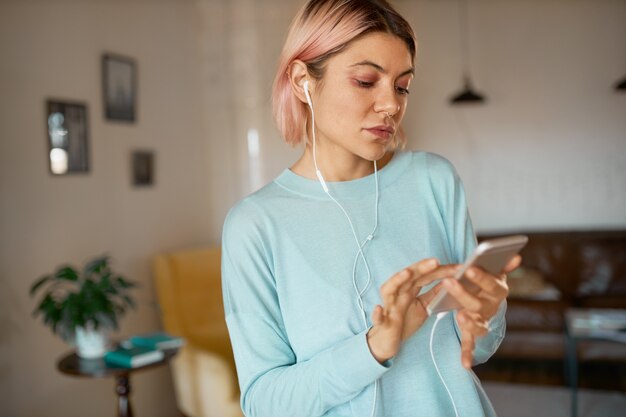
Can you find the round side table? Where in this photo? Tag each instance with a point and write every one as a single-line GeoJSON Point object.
{"type": "Point", "coordinates": [72, 364]}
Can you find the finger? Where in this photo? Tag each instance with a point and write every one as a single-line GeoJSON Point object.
{"type": "Point", "coordinates": [424, 266]}
{"type": "Point", "coordinates": [493, 286]}
{"type": "Point", "coordinates": [377, 316]}
{"type": "Point", "coordinates": [513, 264]}
{"type": "Point", "coordinates": [441, 272]}
{"type": "Point", "coordinates": [472, 323]}
{"type": "Point", "coordinates": [467, 349]}
{"type": "Point", "coordinates": [467, 300]}
{"type": "Point", "coordinates": [412, 285]}
{"type": "Point", "coordinates": [427, 297]}
{"type": "Point", "coordinates": [418, 270]}
{"type": "Point", "coordinates": [389, 290]}
{"type": "Point", "coordinates": [404, 280]}
{"type": "Point", "coordinates": [406, 294]}
{"type": "Point", "coordinates": [425, 274]}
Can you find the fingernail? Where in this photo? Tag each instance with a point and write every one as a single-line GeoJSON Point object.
{"type": "Point", "coordinates": [470, 273]}
{"type": "Point", "coordinates": [447, 283]}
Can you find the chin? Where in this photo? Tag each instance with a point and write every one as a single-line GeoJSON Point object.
{"type": "Point", "coordinates": [376, 153]}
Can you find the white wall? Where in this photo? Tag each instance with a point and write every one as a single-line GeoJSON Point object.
{"type": "Point", "coordinates": [53, 49]}
{"type": "Point", "coordinates": [547, 151]}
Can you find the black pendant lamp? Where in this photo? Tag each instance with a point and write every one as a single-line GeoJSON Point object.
{"type": "Point", "coordinates": [467, 95]}
{"type": "Point", "coordinates": [621, 85]}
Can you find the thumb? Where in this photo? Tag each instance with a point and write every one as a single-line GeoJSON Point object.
{"type": "Point", "coordinates": [426, 298]}
{"type": "Point", "coordinates": [377, 315]}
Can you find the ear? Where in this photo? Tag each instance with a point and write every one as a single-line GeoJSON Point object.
{"type": "Point", "coordinates": [298, 74]}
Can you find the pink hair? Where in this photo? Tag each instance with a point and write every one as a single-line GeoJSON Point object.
{"type": "Point", "coordinates": [321, 29]}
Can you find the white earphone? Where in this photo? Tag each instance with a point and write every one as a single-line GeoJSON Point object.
{"type": "Point", "coordinates": [320, 177]}
{"type": "Point", "coordinates": [307, 94]}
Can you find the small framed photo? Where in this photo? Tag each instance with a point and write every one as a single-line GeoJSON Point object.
{"type": "Point", "coordinates": [143, 168]}
{"type": "Point", "coordinates": [68, 137]}
{"type": "Point", "coordinates": [119, 85]}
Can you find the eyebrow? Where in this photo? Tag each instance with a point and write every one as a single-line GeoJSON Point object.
{"type": "Point", "coordinates": [381, 69]}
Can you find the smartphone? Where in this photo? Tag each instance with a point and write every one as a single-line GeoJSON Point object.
{"type": "Point", "coordinates": [492, 256]}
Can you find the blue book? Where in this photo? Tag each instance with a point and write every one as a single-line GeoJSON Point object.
{"type": "Point", "coordinates": [157, 340]}
{"type": "Point", "coordinates": [132, 357]}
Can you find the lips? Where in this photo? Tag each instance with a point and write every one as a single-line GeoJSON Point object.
{"type": "Point", "coordinates": [382, 131]}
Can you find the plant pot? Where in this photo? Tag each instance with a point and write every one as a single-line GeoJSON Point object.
{"type": "Point", "coordinates": [90, 343]}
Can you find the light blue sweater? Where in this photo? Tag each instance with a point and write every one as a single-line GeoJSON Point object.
{"type": "Point", "coordinates": [295, 325]}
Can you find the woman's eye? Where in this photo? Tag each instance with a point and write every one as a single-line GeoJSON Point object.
{"type": "Point", "coordinates": [402, 90]}
{"type": "Point", "coordinates": [364, 84]}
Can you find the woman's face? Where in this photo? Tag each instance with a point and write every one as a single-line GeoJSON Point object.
{"type": "Point", "coordinates": [362, 97]}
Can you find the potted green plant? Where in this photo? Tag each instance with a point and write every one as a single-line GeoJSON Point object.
{"type": "Point", "coordinates": [82, 306]}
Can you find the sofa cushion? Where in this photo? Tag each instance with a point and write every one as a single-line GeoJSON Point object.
{"type": "Point", "coordinates": [532, 345]}
{"type": "Point", "coordinates": [599, 350]}
{"type": "Point", "coordinates": [535, 315]}
{"type": "Point", "coordinates": [603, 269]}
{"type": "Point", "coordinates": [529, 283]}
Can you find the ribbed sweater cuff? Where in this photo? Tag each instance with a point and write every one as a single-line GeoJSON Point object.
{"type": "Point", "coordinates": [354, 363]}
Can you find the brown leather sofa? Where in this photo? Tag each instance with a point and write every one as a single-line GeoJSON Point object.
{"type": "Point", "coordinates": [560, 270]}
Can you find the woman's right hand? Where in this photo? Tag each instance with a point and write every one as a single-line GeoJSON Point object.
{"type": "Point", "coordinates": [403, 312]}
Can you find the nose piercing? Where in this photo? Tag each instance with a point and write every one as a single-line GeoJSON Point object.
{"type": "Point", "coordinates": [394, 113]}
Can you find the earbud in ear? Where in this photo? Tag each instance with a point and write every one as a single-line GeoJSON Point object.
{"type": "Point", "coordinates": [306, 93]}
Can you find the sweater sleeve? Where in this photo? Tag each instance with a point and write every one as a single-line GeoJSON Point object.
{"type": "Point", "coordinates": [462, 240]}
{"type": "Point", "coordinates": [273, 381]}
{"type": "Point", "coordinates": [486, 346]}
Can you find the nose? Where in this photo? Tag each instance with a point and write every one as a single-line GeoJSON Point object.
{"type": "Point", "coordinates": [388, 103]}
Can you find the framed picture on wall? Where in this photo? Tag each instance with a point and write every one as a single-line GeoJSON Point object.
{"type": "Point", "coordinates": [119, 86]}
{"type": "Point", "coordinates": [143, 168]}
{"type": "Point", "coordinates": [68, 137]}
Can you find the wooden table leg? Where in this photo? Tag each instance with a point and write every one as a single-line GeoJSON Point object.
{"type": "Point", "coordinates": [572, 366]}
{"type": "Point", "coordinates": [122, 388]}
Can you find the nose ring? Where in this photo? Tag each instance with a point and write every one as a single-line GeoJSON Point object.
{"type": "Point", "coordinates": [394, 113]}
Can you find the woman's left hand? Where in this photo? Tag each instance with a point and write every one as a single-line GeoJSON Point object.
{"type": "Point", "coordinates": [477, 309]}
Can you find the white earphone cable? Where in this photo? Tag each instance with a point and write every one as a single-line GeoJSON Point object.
{"type": "Point", "coordinates": [432, 355]}
{"type": "Point", "coordinates": [360, 246]}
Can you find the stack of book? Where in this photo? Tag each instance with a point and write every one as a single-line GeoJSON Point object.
{"type": "Point", "coordinates": [157, 340]}
{"type": "Point", "coordinates": [142, 350]}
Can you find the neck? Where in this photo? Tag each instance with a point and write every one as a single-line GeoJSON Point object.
{"type": "Point", "coordinates": [337, 166]}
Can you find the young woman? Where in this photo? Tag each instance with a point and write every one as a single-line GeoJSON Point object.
{"type": "Point", "coordinates": [324, 300]}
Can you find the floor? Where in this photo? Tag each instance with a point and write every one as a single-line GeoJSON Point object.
{"type": "Point", "coordinates": [521, 400]}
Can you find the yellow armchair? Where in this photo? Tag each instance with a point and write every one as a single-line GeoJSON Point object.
{"type": "Point", "coordinates": [189, 290]}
